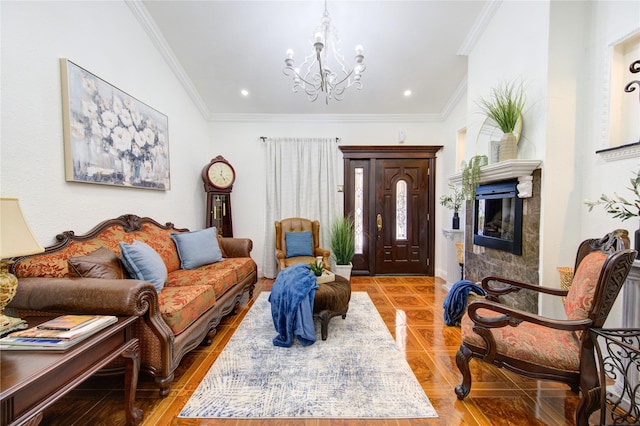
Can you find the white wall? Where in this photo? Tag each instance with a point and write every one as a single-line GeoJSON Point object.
{"type": "Point", "coordinates": [455, 122]}
{"type": "Point", "coordinates": [611, 22]}
{"type": "Point", "coordinates": [239, 143]}
{"type": "Point", "coordinates": [513, 47]}
{"type": "Point", "coordinates": [561, 50]}
{"type": "Point", "coordinates": [560, 219]}
{"type": "Point", "coordinates": [106, 39]}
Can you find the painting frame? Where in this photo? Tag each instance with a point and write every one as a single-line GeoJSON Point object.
{"type": "Point", "coordinates": [110, 137]}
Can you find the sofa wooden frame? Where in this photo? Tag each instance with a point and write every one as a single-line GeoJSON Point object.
{"type": "Point", "coordinates": [161, 351]}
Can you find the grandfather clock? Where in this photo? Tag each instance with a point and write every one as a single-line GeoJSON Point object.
{"type": "Point", "coordinates": [218, 177]}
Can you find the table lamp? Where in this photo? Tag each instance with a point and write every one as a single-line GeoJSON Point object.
{"type": "Point", "coordinates": [16, 239]}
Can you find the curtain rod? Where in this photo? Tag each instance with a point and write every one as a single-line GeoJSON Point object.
{"type": "Point", "coordinates": [264, 139]}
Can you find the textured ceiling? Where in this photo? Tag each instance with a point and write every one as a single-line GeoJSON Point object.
{"type": "Point", "coordinates": [222, 47]}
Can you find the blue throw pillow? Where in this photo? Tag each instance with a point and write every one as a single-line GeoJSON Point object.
{"type": "Point", "coordinates": [144, 263]}
{"type": "Point", "coordinates": [197, 248]}
{"type": "Point", "coordinates": [299, 243]}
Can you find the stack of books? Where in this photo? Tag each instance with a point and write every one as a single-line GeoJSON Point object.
{"type": "Point", "coordinates": [57, 334]}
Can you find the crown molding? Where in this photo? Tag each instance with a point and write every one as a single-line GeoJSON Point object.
{"type": "Point", "coordinates": [148, 24]}
{"type": "Point", "coordinates": [460, 92]}
{"type": "Point", "coordinates": [327, 118]}
{"type": "Point", "coordinates": [478, 27]}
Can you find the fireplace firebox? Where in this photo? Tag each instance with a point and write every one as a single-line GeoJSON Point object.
{"type": "Point", "coordinates": [498, 217]}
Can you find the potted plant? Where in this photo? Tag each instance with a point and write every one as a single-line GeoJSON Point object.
{"type": "Point", "coordinates": [621, 207]}
{"type": "Point", "coordinates": [504, 106]}
{"type": "Point", "coordinates": [343, 244]}
{"type": "Point", "coordinates": [317, 268]}
{"type": "Point", "coordinates": [454, 202]}
{"type": "Point", "coordinates": [471, 175]}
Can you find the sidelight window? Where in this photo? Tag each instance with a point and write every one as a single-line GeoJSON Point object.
{"type": "Point", "coordinates": [358, 209]}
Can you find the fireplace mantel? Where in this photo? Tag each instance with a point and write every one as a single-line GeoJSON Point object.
{"type": "Point", "coordinates": [510, 169]}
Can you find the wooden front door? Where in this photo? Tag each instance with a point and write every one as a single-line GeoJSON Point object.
{"type": "Point", "coordinates": [390, 190]}
{"type": "Point", "coordinates": [401, 246]}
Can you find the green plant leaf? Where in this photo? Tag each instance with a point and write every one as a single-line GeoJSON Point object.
{"type": "Point", "coordinates": [343, 239]}
{"type": "Point", "coordinates": [471, 175]}
{"type": "Point", "coordinates": [619, 206]}
{"type": "Point", "coordinates": [504, 105]}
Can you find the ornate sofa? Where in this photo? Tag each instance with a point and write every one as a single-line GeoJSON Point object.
{"type": "Point", "coordinates": [84, 274]}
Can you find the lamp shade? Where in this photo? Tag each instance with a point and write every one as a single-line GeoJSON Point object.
{"type": "Point", "coordinates": [16, 239]}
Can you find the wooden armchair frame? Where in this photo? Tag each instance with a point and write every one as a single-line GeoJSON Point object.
{"type": "Point", "coordinates": [612, 276]}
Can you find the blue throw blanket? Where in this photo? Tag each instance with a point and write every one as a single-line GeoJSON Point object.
{"type": "Point", "coordinates": [455, 304]}
{"type": "Point", "coordinates": [292, 305]}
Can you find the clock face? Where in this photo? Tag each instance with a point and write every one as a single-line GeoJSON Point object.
{"type": "Point", "coordinates": [221, 175]}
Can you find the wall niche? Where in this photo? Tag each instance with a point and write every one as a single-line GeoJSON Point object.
{"type": "Point", "coordinates": [624, 107]}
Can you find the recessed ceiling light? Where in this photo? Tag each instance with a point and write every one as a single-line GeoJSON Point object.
{"type": "Point", "coordinates": [244, 92]}
{"type": "Point", "coordinates": [407, 92]}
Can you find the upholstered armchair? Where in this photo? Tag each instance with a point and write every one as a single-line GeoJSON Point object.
{"type": "Point", "coordinates": [298, 241]}
{"type": "Point", "coordinates": [543, 348]}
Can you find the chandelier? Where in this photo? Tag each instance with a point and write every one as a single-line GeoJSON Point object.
{"type": "Point", "coordinates": [325, 69]}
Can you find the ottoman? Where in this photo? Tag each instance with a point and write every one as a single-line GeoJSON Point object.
{"type": "Point", "coordinates": [331, 299]}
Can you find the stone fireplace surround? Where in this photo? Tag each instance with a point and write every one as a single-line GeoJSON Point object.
{"type": "Point", "coordinates": [480, 262]}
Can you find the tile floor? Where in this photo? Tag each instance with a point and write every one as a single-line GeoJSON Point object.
{"type": "Point", "coordinates": [412, 309]}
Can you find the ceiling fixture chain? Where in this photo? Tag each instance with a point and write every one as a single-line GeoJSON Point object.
{"type": "Point", "coordinates": [318, 71]}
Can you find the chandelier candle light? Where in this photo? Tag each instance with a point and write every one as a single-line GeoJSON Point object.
{"type": "Point", "coordinates": [318, 71]}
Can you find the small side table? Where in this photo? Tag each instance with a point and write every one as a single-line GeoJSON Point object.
{"type": "Point", "coordinates": [453, 236]}
{"type": "Point", "coordinates": [32, 380]}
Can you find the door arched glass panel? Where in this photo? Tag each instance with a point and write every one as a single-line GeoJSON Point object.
{"type": "Point", "coordinates": [401, 210]}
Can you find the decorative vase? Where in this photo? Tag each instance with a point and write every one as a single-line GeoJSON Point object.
{"type": "Point", "coordinates": [344, 270]}
{"type": "Point", "coordinates": [636, 242]}
{"type": "Point", "coordinates": [508, 147]}
{"type": "Point", "coordinates": [456, 221]}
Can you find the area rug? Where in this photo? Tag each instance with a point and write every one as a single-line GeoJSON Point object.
{"type": "Point", "coordinates": [358, 372]}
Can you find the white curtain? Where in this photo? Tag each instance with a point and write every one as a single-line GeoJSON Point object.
{"type": "Point", "coordinates": [300, 182]}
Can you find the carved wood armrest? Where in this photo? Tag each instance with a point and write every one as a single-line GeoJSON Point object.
{"type": "Point", "coordinates": [514, 317]}
{"type": "Point", "coordinates": [513, 286]}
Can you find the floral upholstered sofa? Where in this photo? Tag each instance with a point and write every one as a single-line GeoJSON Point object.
{"type": "Point", "coordinates": [102, 273]}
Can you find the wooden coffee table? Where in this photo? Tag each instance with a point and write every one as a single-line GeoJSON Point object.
{"type": "Point", "coordinates": [30, 381]}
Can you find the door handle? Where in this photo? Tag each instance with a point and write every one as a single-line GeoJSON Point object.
{"type": "Point", "coordinates": [379, 222]}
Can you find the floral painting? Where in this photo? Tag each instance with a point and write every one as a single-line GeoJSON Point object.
{"type": "Point", "coordinates": [110, 137]}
